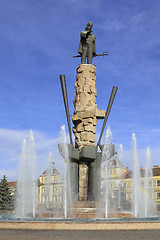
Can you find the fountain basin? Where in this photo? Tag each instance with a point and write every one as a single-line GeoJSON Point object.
{"type": "Point", "coordinates": [81, 224]}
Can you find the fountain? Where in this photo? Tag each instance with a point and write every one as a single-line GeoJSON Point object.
{"type": "Point", "coordinates": [121, 153]}
{"type": "Point", "coordinates": [136, 185]}
{"type": "Point", "coordinates": [26, 185]}
{"type": "Point", "coordinates": [94, 175]}
{"type": "Point", "coordinates": [106, 154]}
{"type": "Point", "coordinates": [143, 204]}
{"type": "Point", "coordinates": [112, 179]}
{"type": "Point", "coordinates": [110, 202]}
{"type": "Point", "coordinates": [49, 173]}
{"type": "Point", "coordinates": [67, 173]}
{"type": "Point", "coordinates": [120, 179]}
{"type": "Point", "coordinates": [148, 186]}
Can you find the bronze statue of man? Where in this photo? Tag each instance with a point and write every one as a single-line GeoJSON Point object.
{"type": "Point", "coordinates": [87, 47]}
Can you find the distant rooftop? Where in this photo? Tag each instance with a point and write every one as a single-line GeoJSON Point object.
{"type": "Point", "coordinates": [52, 172]}
{"type": "Point", "coordinates": [155, 169]}
{"type": "Point", "coordinates": [12, 184]}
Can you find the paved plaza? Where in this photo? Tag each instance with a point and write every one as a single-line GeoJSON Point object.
{"type": "Point", "coordinates": [79, 235]}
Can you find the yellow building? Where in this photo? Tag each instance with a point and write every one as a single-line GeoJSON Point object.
{"type": "Point", "coordinates": [155, 182]}
{"type": "Point", "coordinates": [119, 182]}
{"type": "Point", "coordinates": [50, 189]}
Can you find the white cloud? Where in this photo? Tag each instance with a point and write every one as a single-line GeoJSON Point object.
{"type": "Point", "coordinates": [11, 174]}
{"type": "Point", "coordinates": [10, 150]}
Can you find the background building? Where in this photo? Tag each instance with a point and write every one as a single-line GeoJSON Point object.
{"type": "Point", "coordinates": [50, 189]}
{"type": "Point", "coordinates": [119, 182]}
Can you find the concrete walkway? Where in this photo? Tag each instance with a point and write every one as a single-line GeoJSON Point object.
{"type": "Point", "coordinates": [79, 235]}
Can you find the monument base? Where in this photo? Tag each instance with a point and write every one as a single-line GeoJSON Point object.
{"type": "Point", "coordinates": [85, 210]}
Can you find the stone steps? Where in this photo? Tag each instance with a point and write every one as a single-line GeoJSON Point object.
{"type": "Point", "coordinates": [85, 204]}
{"type": "Point", "coordinates": [84, 209]}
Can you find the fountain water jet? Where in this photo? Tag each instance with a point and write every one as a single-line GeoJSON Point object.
{"type": "Point", "coordinates": [67, 174]}
{"type": "Point", "coordinates": [119, 181]}
{"type": "Point", "coordinates": [148, 186]}
{"type": "Point", "coordinates": [49, 179]}
{"type": "Point", "coordinates": [136, 184]}
{"type": "Point", "coordinates": [121, 153]}
{"type": "Point", "coordinates": [105, 157]}
{"type": "Point", "coordinates": [27, 185]}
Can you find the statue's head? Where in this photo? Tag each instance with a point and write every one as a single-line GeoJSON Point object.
{"type": "Point", "coordinates": [89, 26]}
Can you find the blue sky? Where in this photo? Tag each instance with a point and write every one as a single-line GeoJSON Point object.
{"type": "Point", "coordinates": [37, 41]}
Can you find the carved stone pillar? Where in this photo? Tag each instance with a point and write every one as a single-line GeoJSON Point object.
{"type": "Point", "coordinates": [86, 112]}
{"type": "Point", "coordinates": [85, 118]}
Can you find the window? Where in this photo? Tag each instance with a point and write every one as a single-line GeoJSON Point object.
{"type": "Point", "coordinates": [124, 185]}
{"type": "Point", "coordinates": [158, 195]}
{"type": "Point", "coordinates": [150, 183]}
{"type": "Point", "coordinates": [158, 208]}
{"type": "Point", "coordinates": [142, 183]}
{"type": "Point", "coordinates": [158, 182]}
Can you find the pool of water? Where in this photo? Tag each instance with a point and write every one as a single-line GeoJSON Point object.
{"type": "Point", "coordinates": [29, 219]}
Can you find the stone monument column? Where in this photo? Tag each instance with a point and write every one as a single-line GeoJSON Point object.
{"type": "Point", "coordinates": [85, 119]}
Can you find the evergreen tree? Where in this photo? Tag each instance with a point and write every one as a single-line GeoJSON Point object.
{"type": "Point", "coordinates": [5, 195]}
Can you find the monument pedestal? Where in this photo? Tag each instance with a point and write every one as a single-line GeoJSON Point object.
{"type": "Point", "coordinates": [85, 210]}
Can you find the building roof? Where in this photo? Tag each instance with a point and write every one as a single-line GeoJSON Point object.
{"type": "Point", "coordinates": [156, 172]}
{"type": "Point", "coordinates": [127, 174]}
{"type": "Point", "coordinates": [52, 172]}
{"type": "Point", "coordinates": [12, 184]}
